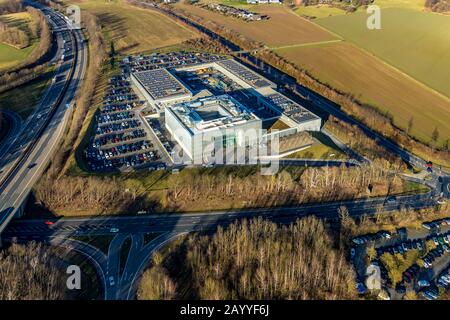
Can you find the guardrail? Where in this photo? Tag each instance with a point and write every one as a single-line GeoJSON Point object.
{"type": "Point", "coordinates": [52, 112]}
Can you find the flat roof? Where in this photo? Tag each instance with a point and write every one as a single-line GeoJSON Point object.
{"type": "Point", "coordinates": [290, 108]}
{"type": "Point", "coordinates": [252, 78]}
{"type": "Point", "coordinates": [161, 84]}
{"type": "Point", "coordinates": [215, 112]}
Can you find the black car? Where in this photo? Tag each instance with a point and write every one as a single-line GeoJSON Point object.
{"type": "Point", "coordinates": [400, 288]}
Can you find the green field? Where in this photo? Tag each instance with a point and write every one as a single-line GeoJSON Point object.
{"type": "Point", "coordinates": [325, 10]}
{"type": "Point", "coordinates": [417, 43]}
{"type": "Point", "coordinates": [9, 55]}
{"type": "Point", "coordinates": [407, 4]}
{"type": "Point", "coordinates": [319, 11]}
{"type": "Point", "coordinates": [135, 30]}
{"type": "Point", "coordinates": [403, 69]}
{"type": "Point", "coordinates": [347, 68]}
{"type": "Point", "coordinates": [324, 148]}
{"type": "Point", "coordinates": [24, 98]}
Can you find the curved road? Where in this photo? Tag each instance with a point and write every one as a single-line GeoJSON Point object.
{"type": "Point", "coordinates": [44, 130]}
{"type": "Point", "coordinates": [170, 226]}
{"type": "Point", "coordinates": [15, 124]}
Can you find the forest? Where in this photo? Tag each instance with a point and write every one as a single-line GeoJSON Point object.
{"type": "Point", "coordinates": [30, 272]}
{"type": "Point", "coordinates": [438, 5]}
{"type": "Point", "coordinates": [254, 259]}
{"type": "Point", "coordinates": [216, 189]}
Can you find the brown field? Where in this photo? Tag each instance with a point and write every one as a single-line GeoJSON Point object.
{"type": "Point", "coordinates": [134, 29]}
{"type": "Point", "coordinates": [283, 28]}
{"type": "Point", "coordinates": [350, 69]}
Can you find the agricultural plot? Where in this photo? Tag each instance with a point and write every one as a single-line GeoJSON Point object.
{"type": "Point", "coordinates": [283, 27]}
{"type": "Point", "coordinates": [9, 55]}
{"type": "Point", "coordinates": [325, 10]}
{"type": "Point", "coordinates": [135, 30]}
{"type": "Point", "coordinates": [347, 68]}
{"type": "Point", "coordinates": [319, 11]}
{"type": "Point", "coordinates": [417, 43]}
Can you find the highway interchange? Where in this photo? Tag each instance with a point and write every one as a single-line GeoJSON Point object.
{"type": "Point", "coordinates": [31, 150]}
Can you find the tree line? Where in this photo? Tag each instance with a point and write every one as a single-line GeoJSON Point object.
{"type": "Point", "coordinates": [438, 5]}
{"type": "Point", "coordinates": [382, 122]}
{"type": "Point", "coordinates": [30, 272]}
{"type": "Point", "coordinates": [254, 259]}
{"type": "Point", "coordinates": [212, 190]}
{"type": "Point", "coordinates": [32, 67]}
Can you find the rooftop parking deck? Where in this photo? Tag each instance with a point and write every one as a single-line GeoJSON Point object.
{"type": "Point", "coordinates": [167, 60]}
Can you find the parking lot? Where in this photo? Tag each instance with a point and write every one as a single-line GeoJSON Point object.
{"type": "Point", "coordinates": [427, 275]}
{"type": "Point", "coordinates": [162, 136]}
{"type": "Point", "coordinates": [120, 141]}
{"type": "Point", "coordinates": [166, 60]}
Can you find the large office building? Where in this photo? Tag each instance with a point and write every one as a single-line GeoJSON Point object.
{"type": "Point", "coordinates": [211, 123]}
{"type": "Point", "coordinates": [202, 100]}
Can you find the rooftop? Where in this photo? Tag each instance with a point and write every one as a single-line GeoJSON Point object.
{"type": "Point", "coordinates": [290, 108]}
{"type": "Point", "coordinates": [215, 112]}
{"type": "Point", "coordinates": [252, 78]}
{"type": "Point", "coordinates": [161, 84]}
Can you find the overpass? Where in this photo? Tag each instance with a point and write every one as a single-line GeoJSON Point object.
{"type": "Point", "coordinates": [65, 232]}
{"type": "Point", "coordinates": [30, 152]}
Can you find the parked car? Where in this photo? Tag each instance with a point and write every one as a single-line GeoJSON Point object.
{"type": "Point", "coordinates": [423, 283]}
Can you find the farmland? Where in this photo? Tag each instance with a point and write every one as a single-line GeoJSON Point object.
{"type": "Point", "coordinates": [283, 27]}
{"type": "Point", "coordinates": [325, 10]}
{"type": "Point", "coordinates": [375, 79]}
{"type": "Point", "coordinates": [9, 55]}
{"type": "Point", "coordinates": [136, 30]}
{"type": "Point", "coordinates": [375, 83]}
{"type": "Point", "coordinates": [420, 49]}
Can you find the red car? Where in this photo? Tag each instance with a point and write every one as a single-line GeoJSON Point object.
{"type": "Point", "coordinates": [49, 223]}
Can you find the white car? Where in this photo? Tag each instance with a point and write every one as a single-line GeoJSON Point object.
{"type": "Point", "coordinates": [391, 200]}
{"type": "Point", "coordinates": [114, 230]}
{"type": "Point", "coordinates": [423, 283]}
{"type": "Point", "coordinates": [111, 281]}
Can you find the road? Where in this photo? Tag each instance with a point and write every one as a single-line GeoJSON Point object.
{"type": "Point", "coordinates": [32, 150]}
{"type": "Point", "coordinates": [124, 284]}
{"type": "Point", "coordinates": [170, 226]}
{"type": "Point", "coordinates": [14, 126]}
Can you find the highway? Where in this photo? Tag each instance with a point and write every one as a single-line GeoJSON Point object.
{"type": "Point", "coordinates": [122, 285]}
{"type": "Point", "coordinates": [31, 151]}
{"type": "Point", "coordinates": [15, 125]}
{"type": "Point", "coordinates": [171, 225]}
